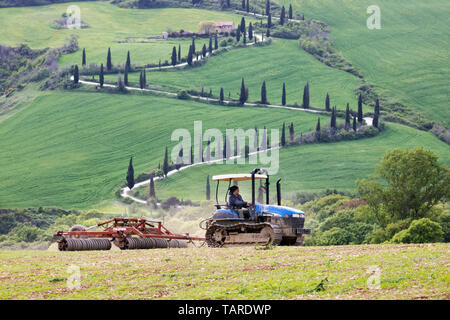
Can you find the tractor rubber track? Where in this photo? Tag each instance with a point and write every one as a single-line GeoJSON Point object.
{"type": "Point", "coordinates": [212, 229]}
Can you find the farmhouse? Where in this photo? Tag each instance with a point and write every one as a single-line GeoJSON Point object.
{"type": "Point", "coordinates": [206, 27]}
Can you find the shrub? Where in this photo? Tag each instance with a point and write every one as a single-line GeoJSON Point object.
{"type": "Point", "coordinates": [334, 236]}
{"type": "Point", "coordinates": [420, 231]}
{"type": "Point", "coordinates": [183, 95]}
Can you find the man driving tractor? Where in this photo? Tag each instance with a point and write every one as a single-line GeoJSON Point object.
{"type": "Point", "coordinates": [235, 202]}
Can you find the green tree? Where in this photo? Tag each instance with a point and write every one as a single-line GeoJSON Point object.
{"type": "Point", "coordinates": [290, 11]}
{"type": "Point", "coordinates": [108, 60]}
{"type": "Point", "coordinates": [221, 98]}
{"type": "Point", "coordinates": [101, 77]}
{"type": "Point", "coordinates": [263, 93]}
{"type": "Point", "coordinates": [189, 57]}
{"type": "Point", "coordinates": [360, 112]}
{"type": "Point", "coordinates": [243, 95]}
{"type": "Point", "coordinates": [282, 15]}
{"type": "Point", "coordinates": [242, 25]}
{"type": "Point", "coordinates": [76, 74]}
{"type": "Point", "coordinates": [420, 231]}
{"type": "Point", "coordinates": [354, 123]}
{"type": "Point", "coordinates": [283, 135]}
{"type": "Point", "coordinates": [347, 117]}
{"type": "Point", "coordinates": [166, 163]}
{"type": "Point", "coordinates": [193, 46]}
{"type": "Point", "coordinates": [267, 7]}
{"type": "Point", "coordinates": [204, 51]}
{"type": "Point", "coordinates": [125, 75]}
{"type": "Point", "coordinates": [318, 129]}
{"type": "Point", "coordinates": [269, 20]}
{"type": "Point", "coordinates": [333, 118]}
{"type": "Point", "coordinates": [250, 31]}
{"type": "Point", "coordinates": [327, 102]}
{"type": "Point", "coordinates": [83, 60]}
{"type": "Point", "coordinates": [179, 53]}
{"type": "Point", "coordinates": [283, 95]}
{"type": "Point", "coordinates": [216, 44]}
{"type": "Point", "coordinates": [152, 193]}
{"type": "Point", "coordinates": [128, 60]}
{"type": "Point", "coordinates": [174, 56]}
{"type": "Point", "coordinates": [376, 114]}
{"type": "Point", "coordinates": [247, 6]}
{"type": "Point", "coordinates": [412, 182]}
{"type": "Point", "coordinates": [210, 46]}
{"type": "Point", "coordinates": [130, 174]}
{"type": "Point", "coordinates": [306, 96]}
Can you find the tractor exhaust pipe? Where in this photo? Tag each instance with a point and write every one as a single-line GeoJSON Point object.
{"type": "Point", "coordinates": [279, 192]}
{"type": "Point", "coordinates": [254, 171]}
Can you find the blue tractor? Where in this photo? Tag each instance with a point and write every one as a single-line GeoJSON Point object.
{"type": "Point", "coordinates": [258, 224]}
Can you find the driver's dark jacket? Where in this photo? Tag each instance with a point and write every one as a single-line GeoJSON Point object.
{"type": "Point", "coordinates": [236, 202]}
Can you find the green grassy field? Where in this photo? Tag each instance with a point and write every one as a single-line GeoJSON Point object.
{"type": "Point", "coordinates": [71, 149]}
{"type": "Point", "coordinates": [108, 24]}
{"type": "Point", "coordinates": [281, 61]}
{"type": "Point", "coordinates": [407, 58]}
{"type": "Point", "coordinates": [404, 272]}
{"type": "Point", "coordinates": [310, 167]}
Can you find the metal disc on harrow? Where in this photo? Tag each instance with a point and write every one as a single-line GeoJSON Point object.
{"type": "Point", "coordinates": [182, 244]}
{"type": "Point", "coordinates": [173, 243]}
{"type": "Point", "coordinates": [84, 244]}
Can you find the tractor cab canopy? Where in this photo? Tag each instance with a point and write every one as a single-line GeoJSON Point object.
{"type": "Point", "coordinates": [256, 174]}
{"type": "Point", "coordinates": [238, 177]}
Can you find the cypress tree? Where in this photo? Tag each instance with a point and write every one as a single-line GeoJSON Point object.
{"type": "Point", "coordinates": [108, 60]}
{"type": "Point", "coordinates": [130, 174]}
{"type": "Point", "coordinates": [283, 95]}
{"type": "Point", "coordinates": [327, 102]}
{"type": "Point", "coordinates": [263, 93]}
{"type": "Point", "coordinates": [152, 193]}
{"type": "Point", "coordinates": [174, 56]}
{"type": "Point", "coordinates": [144, 79]}
{"type": "Point", "coordinates": [247, 6]}
{"type": "Point", "coordinates": [242, 25]}
{"type": "Point", "coordinates": [243, 96]}
{"type": "Point", "coordinates": [189, 57]}
{"type": "Point", "coordinates": [228, 3]}
{"type": "Point", "coordinates": [191, 160]}
{"type": "Point", "coordinates": [166, 163]}
{"type": "Point", "coordinates": [267, 7]}
{"type": "Point", "coordinates": [128, 60]}
{"type": "Point", "coordinates": [83, 60]}
{"type": "Point", "coordinates": [204, 51]}
{"type": "Point", "coordinates": [376, 114]}
{"type": "Point", "coordinates": [245, 38]}
{"type": "Point", "coordinates": [250, 32]}
{"type": "Point", "coordinates": [306, 96]}
{"type": "Point", "coordinates": [221, 96]}
{"type": "Point", "coordinates": [120, 84]}
{"type": "Point", "coordinates": [125, 75]}
{"type": "Point", "coordinates": [282, 15]}
{"type": "Point", "coordinates": [193, 45]}
{"type": "Point", "coordinates": [76, 74]}
{"type": "Point", "coordinates": [141, 83]}
{"type": "Point", "coordinates": [318, 129]}
{"type": "Point", "coordinates": [216, 44]}
{"type": "Point", "coordinates": [354, 123]}
{"type": "Point", "coordinates": [243, 4]}
{"type": "Point", "coordinates": [333, 118]}
{"type": "Point", "coordinates": [283, 135]}
{"type": "Point", "coordinates": [290, 11]}
{"type": "Point", "coordinates": [269, 20]}
{"type": "Point", "coordinates": [208, 190]}
{"type": "Point", "coordinates": [226, 148]}
{"type": "Point", "coordinates": [179, 53]}
{"type": "Point", "coordinates": [238, 34]}
{"type": "Point", "coordinates": [101, 77]}
{"type": "Point", "coordinates": [347, 117]}
{"type": "Point", "coordinates": [291, 132]}
{"type": "Point", "coordinates": [360, 112]}
{"type": "Point", "coordinates": [268, 33]}
{"type": "Point", "coordinates": [210, 47]}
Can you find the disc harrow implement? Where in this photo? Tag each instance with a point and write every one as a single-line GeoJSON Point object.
{"type": "Point", "coordinates": [125, 233]}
